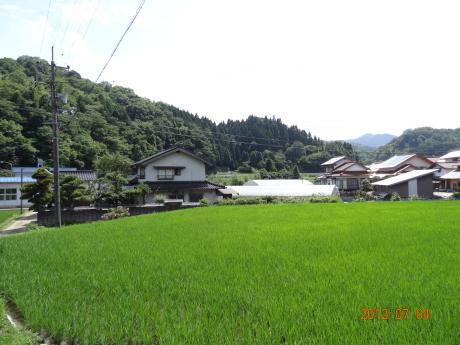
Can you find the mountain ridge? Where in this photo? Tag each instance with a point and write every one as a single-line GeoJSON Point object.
{"type": "Point", "coordinates": [372, 140]}
{"type": "Point", "coordinates": [100, 118]}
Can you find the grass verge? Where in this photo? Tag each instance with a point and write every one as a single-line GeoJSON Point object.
{"type": "Point", "coordinates": [10, 335]}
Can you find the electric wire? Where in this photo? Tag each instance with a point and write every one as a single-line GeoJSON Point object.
{"type": "Point", "coordinates": [45, 29]}
{"type": "Point", "coordinates": [139, 8]}
{"type": "Point", "coordinates": [67, 26]}
{"type": "Point", "coordinates": [77, 33]}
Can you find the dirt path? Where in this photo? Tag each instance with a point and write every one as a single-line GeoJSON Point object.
{"type": "Point", "coordinates": [20, 224]}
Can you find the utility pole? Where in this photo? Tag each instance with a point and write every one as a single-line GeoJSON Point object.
{"type": "Point", "coordinates": [54, 104]}
{"type": "Point", "coordinates": [22, 178]}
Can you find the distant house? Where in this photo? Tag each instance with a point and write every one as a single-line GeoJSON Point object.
{"type": "Point", "coordinates": [446, 164]}
{"type": "Point", "coordinates": [413, 183]}
{"type": "Point", "coordinates": [451, 157]}
{"type": "Point", "coordinates": [280, 183]}
{"type": "Point", "coordinates": [344, 173]}
{"type": "Point", "coordinates": [176, 174]}
{"type": "Point", "coordinates": [10, 191]}
{"type": "Point", "coordinates": [293, 190]}
{"type": "Point", "coordinates": [451, 180]}
{"type": "Point", "coordinates": [399, 164]}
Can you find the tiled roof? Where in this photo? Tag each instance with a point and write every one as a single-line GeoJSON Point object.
{"type": "Point", "coordinates": [168, 152]}
{"type": "Point", "coordinates": [453, 175]}
{"type": "Point", "coordinates": [448, 165]}
{"type": "Point", "coordinates": [333, 160]}
{"type": "Point", "coordinates": [345, 166]}
{"type": "Point", "coordinates": [84, 175]}
{"type": "Point", "coordinates": [453, 154]}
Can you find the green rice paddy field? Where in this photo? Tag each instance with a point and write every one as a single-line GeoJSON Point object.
{"type": "Point", "coordinates": [262, 274]}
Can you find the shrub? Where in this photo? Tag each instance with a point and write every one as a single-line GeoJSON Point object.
{"type": "Point", "coordinates": [204, 202]}
{"type": "Point", "coordinates": [456, 195]}
{"type": "Point", "coordinates": [395, 197]}
{"type": "Point", "coordinates": [324, 199]}
{"type": "Point", "coordinates": [277, 200]}
{"type": "Point", "coordinates": [160, 200]}
{"type": "Point", "coordinates": [114, 213]}
{"type": "Point", "coordinates": [245, 169]}
{"type": "Point", "coordinates": [414, 197]}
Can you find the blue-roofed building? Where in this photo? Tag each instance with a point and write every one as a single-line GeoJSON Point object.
{"type": "Point", "coordinates": [10, 191]}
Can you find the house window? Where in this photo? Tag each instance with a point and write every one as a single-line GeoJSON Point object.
{"type": "Point", "coordinates": [177, 171]}
{"type": "Point", "coordinates": [176, 196]}
{"type": "Point", "coordinates": [352, 183]}
{"type": "Point", "coordinates": [8, 194]}
{"type": "Point", "coordinates": [165, 174]}
{"type": "Point", "coordinates": [142, 172]}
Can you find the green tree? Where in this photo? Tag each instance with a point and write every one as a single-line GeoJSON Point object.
{"type": "Point", "coordinates": [366, 186]}
{"type": "Point", "coordinates": [296, 172]}
{"type": "Point", "coordinates": [39, 193]}
{"type": "Point", "coordinates": [112, 171]}
{"type": "Point", "coordinates": [269, 165]}
{"type": "Point", "coordinates": [73, 192]}
{"type": "Point", "coordinates": [255, 158]}
{"type": "Point", "coordinates": [143, 189]}
{"type": "Point", "coordinates": [295, 151]}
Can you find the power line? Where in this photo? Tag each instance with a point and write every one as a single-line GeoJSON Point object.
{"type": "Point", "coordinates": [45, 29]}
{"type": "Point", "coordinates": [71, 45]}
{"type": "Point", "coordinates": [218, 139]}
{"type": "Point", "coordinates": [67, 26]}
{"type": "Point", "coordinates": [85, 32]}
{"type": "Point", "coordinates": [230, 134]}
{"type": "Point", "coordinates": [139, 8]}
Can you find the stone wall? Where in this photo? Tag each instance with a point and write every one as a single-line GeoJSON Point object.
{"type": "Point", "coordinates": [85, 215]}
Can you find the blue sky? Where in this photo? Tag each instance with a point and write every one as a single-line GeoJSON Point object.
{"type": "Point", "coordinates": [337, 68]}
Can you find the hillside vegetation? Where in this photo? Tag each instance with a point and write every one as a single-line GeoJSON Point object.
{"type": "Point", "coordinates": [425, 140]}
{"type": "Point", "coordinates": [101, 118]}
{"type": "Point", "coordinates": [271, 274]}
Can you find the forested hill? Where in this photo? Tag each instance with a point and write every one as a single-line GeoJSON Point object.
{"type": "Point", "coordinates": [101, 118]}
{"type": "Point", "coordinates": [425, 140]}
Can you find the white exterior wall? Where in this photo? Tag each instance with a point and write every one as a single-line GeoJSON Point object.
{"type": "Point", "coordinates": [195, 170]}
{"type": "Point", "coordinates": [13, 203]}
{"type": "Point", "coordinates": [412, 187]}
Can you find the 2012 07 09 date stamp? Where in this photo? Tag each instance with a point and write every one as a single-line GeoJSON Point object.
{"type": "Point", "coordinates": [396, 313]}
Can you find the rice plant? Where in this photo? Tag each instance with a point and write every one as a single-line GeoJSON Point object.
{"type": "Point", "coordinates": [258, 274]}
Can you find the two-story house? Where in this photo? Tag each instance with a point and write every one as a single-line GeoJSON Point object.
{"type": "Point", "coordinates": [176, 174]}
{"type": "Point", "coordinates": [343, 172]}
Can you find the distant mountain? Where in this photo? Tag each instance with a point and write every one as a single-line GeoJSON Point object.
{"type": "Point", "coordinates": [425, 140]}
{"type": "Point", "coordinates": [372, 140]}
